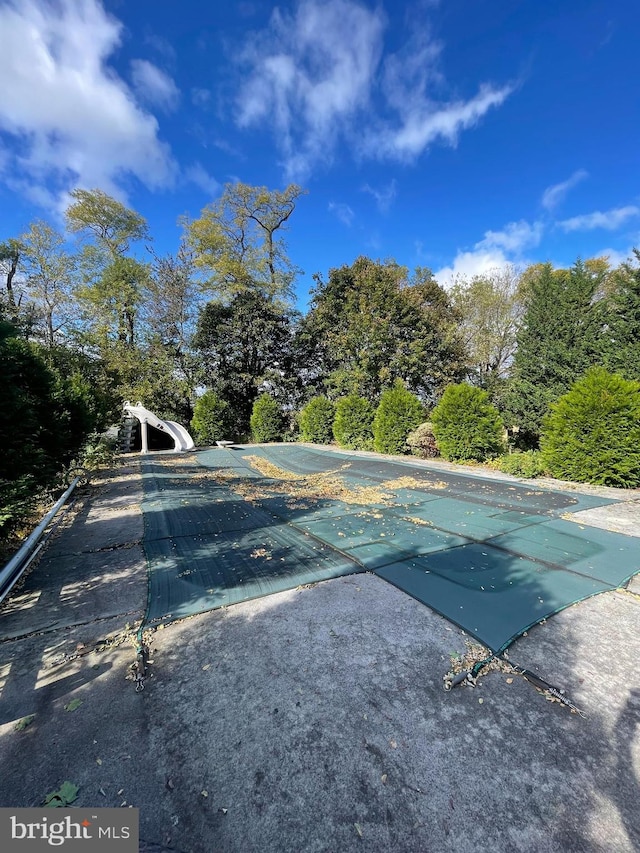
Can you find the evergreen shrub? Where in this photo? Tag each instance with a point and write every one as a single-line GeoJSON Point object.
{"type": "Point", "coordinates": [592, 433]}
{"type": "Point", "coordinates": [211, 419]}
{"type": "Point", "coordinates": [398, 413]}
{"type": "Point", "coordinates": [467, 426]}
{"type": "Point", "coordinates": [422, 441]}
{"type": "Point", "coordinates": [266, 420]}
{"type": "Point", "coordinates": [18, 501]}
{"type": "Point", "coordinates": [45, 416]}
{"type": "Point", "coordinates": [353, 423]}
{"type": "Point", "coordinates": [316, 421]}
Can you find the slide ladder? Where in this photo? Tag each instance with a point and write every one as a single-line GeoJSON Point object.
{"type": "Point", "coordinates": [128, 434]}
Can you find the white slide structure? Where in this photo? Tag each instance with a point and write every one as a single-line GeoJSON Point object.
{"type": "Point", "coordinates": [181, 438]}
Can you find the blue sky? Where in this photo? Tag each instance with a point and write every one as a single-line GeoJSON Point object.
{"type": "Point", "coordinates": [458, 135]}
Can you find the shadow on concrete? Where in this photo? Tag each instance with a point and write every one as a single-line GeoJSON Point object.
{"type": "Point", "coordinates": [315, 720]}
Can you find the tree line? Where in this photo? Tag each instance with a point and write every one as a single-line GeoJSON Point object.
{"type": "Point", "coordinates": [94, 316]}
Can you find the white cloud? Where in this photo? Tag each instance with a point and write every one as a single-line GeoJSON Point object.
{"type": "Point", "coordinates": [424, 122]}
{"type": "Point", "coordinates": [496, 250]}
{"type": "Point", "coordinates": [153, 85]}
{"type": "Point", "coordinates": [556, 194]}
{"type": "Point", "coordinates": [384, 196]}
{"type": "Point", "coordinates": [198, 175]}
{"type": "Point", "coordinates": [609, 219]}
{"type": "Point", "coordinates": [316, 77]}
{"type": "Point", "coordinates": [71, 119]}
{"type": "Point", "coordinates": [200, 97]}
{"type": "Point", "coordinates": [617, 256]}
{"type": "Point", "coordinates": [469, 264]}
{"type": "Point", "coordinates": [308, 74]}
{"type": "Point", "coordinates": [41, 196]}
{"type": "Point", "coordinates": [412, 69]}
{"type": "Point", "coordinates": [515, 237]}
{"type": "Point", "coordinates": [162, 45]}
{"type": "Point", "coordinates": [614, 256]}
{"type": "Point", "coordinates": [4, 159]}
{"type": "Point", "coordinates": [342, 212]}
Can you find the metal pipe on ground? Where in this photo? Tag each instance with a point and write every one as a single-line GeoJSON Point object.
{"type": "Point", "coordinates": [14, 569]}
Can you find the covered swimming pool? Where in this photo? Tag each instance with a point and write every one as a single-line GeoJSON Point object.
{"type": "Point", "coordinates": [493, 556]}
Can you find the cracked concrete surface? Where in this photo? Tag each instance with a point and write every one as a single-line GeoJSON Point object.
{"type": "Point", "coordinates": [623, 517]}
{"type": "Point", "coordinates": [314, 719]}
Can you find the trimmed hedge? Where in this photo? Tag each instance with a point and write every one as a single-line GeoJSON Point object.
{"type": "Point", "coordinates": [592, 433]}
{"type": "Point", "coordinates": [398, 412]}
{"type": "Point", "coordinates": [211, 420]}
{"type": "Point", "coordinates": [316, 421]}
{"type": "Point", "coordinates": [353, 423]}
{"type": "Point", "coordinates": [266, 420]}
{"type": "Point", "coordinates": [467, 426]}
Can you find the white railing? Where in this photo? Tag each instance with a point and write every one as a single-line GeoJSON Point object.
{"type": "Point", "coordinates": [21, 561]}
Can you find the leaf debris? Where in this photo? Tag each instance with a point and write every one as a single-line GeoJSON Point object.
{"type": "Point", "coordinates": [22, 724]}
{"type": "Point", "coordinates": [67, 793]}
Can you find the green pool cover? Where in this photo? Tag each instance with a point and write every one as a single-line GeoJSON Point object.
{"type": "Point", "coordinates": [493, 557]}
{"type": "Point", "coordinates": [206, 547]}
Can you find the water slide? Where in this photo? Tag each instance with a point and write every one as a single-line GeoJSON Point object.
{"type": "Point", "coordinates": [181, 438]}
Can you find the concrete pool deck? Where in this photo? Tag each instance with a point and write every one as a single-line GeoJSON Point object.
{"type": "Point", "coordinates": [314, 719]}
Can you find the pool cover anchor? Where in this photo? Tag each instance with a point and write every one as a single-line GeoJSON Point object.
{"type": "Point", "coordinates": [466, 677]}
{"type": "Point", "coordinates": [139, 666]}
{"type": "Point", "coordinates": [470, 676]}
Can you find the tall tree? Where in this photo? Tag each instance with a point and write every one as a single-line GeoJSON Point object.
{"type": "Point", "coordinates": [245, 347]}
{"type": "Point", "coordinates": [112, 225]}
{"type": "Point", "coordinates": [112, 333]}
{"type": "Point", "coordinates": [491, 307]}
{"type": "Point", "coordinates": [115, 289]}
{"type": "Point", "coordinates": [371, 324]}
{"type": "Point", "coordinates": [11, 252]}
{"type": "Point", "coordinates": [171, 300]}
{"type": "Point", "coordinates": [561, 336]}
{"type": "Point", "coordinates": [238, 241]}
{"type": "Point", "coordinates": [51, 277]}
{"type": "Point", "coordinates": [114, 301]}
{"type": "Point", "coordinates": [169, 312]}
{"type": "Point", "coordinates": [622, 307]}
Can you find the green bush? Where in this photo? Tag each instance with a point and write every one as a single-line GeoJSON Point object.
{"type": "Point", "coordinates": [18, 501]}
{"type": "Point", "coordinates": [422, 442]}
{"type": "Point", "coordinates": [398, 412]}
{"type": "Point", "coordinates": [98, 451]}
{"type": "Point", "coordinates": [211, 419]}
{"type": "Point", "coordinates": [592, 433]}
{"type": "Point", "coordinates": [266, 420]}
{"type": "Point", "coordinates": [316, 421]}
{"type": "Point", "coordinates": [467, 425]}
{"type": "Point", "coordinates": [353, 423]}
{"type": "Point", "coordinates": [528, 463]}
{"type": "Point", "coordinates": [44, 419]}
